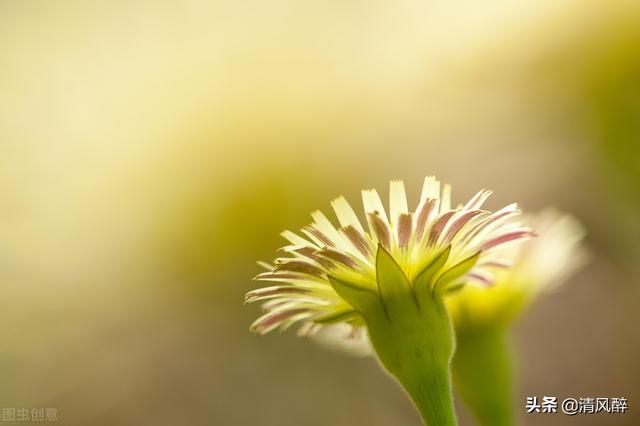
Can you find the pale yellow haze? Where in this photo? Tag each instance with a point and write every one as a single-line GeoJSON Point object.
{"type": "Point", "coordinates": [120, 120]}
{"type": "Point", "coordinates": [107, 107]}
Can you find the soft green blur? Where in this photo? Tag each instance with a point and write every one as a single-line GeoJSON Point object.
{"type": "Point", "coordinates": [152, 152]}
{"type": "Point", "coordinates": [483, 374]}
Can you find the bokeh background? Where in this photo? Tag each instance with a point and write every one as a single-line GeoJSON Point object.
{"type": "Point", "coordinates": [152, 151]}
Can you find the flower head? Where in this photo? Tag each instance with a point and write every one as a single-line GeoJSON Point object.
{"type": "Point", "coordinates": [328, 274]}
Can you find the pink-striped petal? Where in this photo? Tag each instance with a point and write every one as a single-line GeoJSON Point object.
{"type": "Point", "coordinates": [427, 210]}
{"type": "Point", "coordinates": [380, 229]}
{"type": "Point", "coordinates": [405, 224]}
{"type": "Point", "coordinates": [458, 223]}
{"type": "Point", "coordinates": [438, 227]}
{"type": "Point", "coordinates": [505, 238]}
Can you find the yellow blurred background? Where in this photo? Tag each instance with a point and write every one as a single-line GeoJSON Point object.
{"type": "Point", "coordinates": [151, 152]}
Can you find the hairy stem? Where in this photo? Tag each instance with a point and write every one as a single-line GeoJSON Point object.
{"type": "Point", "coordinates": [430, 390]}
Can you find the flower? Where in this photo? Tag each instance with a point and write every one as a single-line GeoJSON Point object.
{"type": "Point", "coordinates": [328, 271]}
{"type": "Point", "coordinates": [482, 366]}
{"type": "Point", "coordinates": [537, 266]}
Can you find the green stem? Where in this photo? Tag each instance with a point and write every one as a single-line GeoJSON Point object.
{"type": "Point", "coordinates": [416, 348]}
{"type": "Point", "coordinates": [483, 374]}
{"type": "Point", "coordinates": [430, 391]}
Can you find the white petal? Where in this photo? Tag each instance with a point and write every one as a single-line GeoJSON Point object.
{"type": "Point", "coordinates": [372, 203]}
{"type": "Point", "coordinates": [326, 227]}
{"type": "Point", "coordinates": [445, 200]}
{"type": "Point", "coordinates": [397, 201]}
{"type": "Point", "coordinates": [346, 215]}
{"type": "Point", "coordinates": [430, 188]}
{"type": "Point", "coordinates": [478, 200]}
{"type": "Point", "coordinates": [296, 239]}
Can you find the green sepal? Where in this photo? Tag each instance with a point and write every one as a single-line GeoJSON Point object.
{"type": "Point", "coordinates": [422, 282]}
{"type": "Point", "coordinates": [395, 291]}
{"type": "Point", "coordinates": [455, 272]}
{"type": "Point", "coordinates": [364, 299]}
